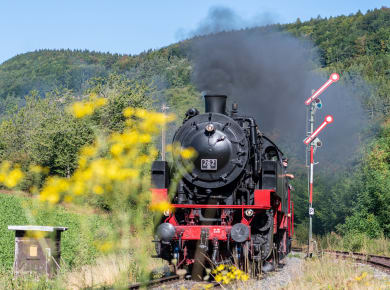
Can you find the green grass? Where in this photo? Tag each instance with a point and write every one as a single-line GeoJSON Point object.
{"type": "Point", "coordinates": [78, 247]}
{"type": "Point", "coordinates": [330, 273]}
{"type": "Point", "coordinates": [356, 242]}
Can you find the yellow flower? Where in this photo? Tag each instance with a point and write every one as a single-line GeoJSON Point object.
{"type": "Point", "coordinates": [88, 151]}
{"type": "Point", "coordinates": [225, 280]}
{"type": "Point", "coordinates": [80, 109]}
{"type": "Point", "coordinates": [361, 277]}
{"type": "Point", "coordinates": [82, 161]}
{"type": "Point", "coordinates": [106, 246]}
{"type": "Point", "coordinates": [161, 206]}
{"type": "Point", "coordinates": [153, 153]}
{"type": "Point", "coordinates": [50, 194]}
{"type": "Point", "coordinates": [98, 168]}
{"type": "Point", "coordinates": [36, 234]}
{"type": "Point", "coordinates": [98, 189]}
{"type": "Point", "coordinates": [100, 102]}
{"type": "Point", "coordinates": [117, 149]}
{"type": "Point", "coordinates": [187, 153]}
{"type": "Point", "coordinates": [14, 178]}
{"type": "Point", "coordinates": [220, 267]}
{"type": "Point", "coordinates": [62, 185]}
{"type": "Point", "coordinates": [218, 278]}
{"type": "Point", "coordinates": [35, 168]}
{"type": "Point", "coordinates": [87, 174]}
{"type": "Point", "coordinates": [141, 113]}
{"type": "Point", "coordinates": [128, 112]}
{"type": "Point", "coordinates": [145, 138]}
{"type": "Point", "coordinates": [78, 188]}
{"type": "Point", "coordinates": [5, 166]}
{"type": "Point", "coordinates": [68, 198]}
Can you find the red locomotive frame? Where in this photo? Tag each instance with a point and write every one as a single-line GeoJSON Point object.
{"type": "Point", "coordinates": [264, 199]}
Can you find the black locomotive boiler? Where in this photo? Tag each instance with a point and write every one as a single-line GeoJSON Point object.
{"type": "Point", "coordinates": [234, 206]}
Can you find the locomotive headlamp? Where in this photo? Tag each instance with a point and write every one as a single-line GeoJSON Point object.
{"type": "Point", "coordinates": [239, 232]}
{"type": "Point", "coordinates": [249, 212]}
{"type": "Point", "coordinates": [210, 127]}
{"type": "Point", "coordinates": [166, 232]}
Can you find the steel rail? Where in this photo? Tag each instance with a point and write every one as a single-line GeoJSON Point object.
{"type": "Point", "coordinates": [382, 262]}
{"type": "Point", "coordinates": [165, 280]}
{"type": "Point", "coordinates": [154, 282]}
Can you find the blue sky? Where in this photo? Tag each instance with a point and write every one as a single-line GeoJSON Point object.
{"type": "Point", "coordinates": [134, 26]}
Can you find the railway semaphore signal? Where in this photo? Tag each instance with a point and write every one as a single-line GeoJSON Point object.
{"type": "Point", "coordinates": [328, 120]}
{"type": "Point", "coordinates": [312, 142]}
{"type": "Point", "coordinates": [334, 77]}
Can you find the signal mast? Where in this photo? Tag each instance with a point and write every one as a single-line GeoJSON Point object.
{"type": "Point", "coordinates": [312, 142]}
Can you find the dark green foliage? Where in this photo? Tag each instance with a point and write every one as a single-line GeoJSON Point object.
{"type": "Point", "coordinates": [46, 70]}
{"type": "Point", "coordinates": [371, 213]}
{"type": "Point", "coordinates": [120, 93]}
{"type": "Point", "coordinates": [41, 132]}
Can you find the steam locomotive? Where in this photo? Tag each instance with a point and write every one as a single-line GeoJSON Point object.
{"type": "Point", "coordinates": [235, 205]}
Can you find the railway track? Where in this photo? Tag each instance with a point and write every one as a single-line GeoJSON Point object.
{"type": "Point", "coordinates": [168, 281]}
{"type": "Point", "coordinates": [377, 261]}
{"type": "Point", "coordinates": [381, 262]}
{"type": "Point", "coordinates": [156, 282]}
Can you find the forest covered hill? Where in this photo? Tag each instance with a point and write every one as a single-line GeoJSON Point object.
{"type": "Point", "coordinates": [357, 45]}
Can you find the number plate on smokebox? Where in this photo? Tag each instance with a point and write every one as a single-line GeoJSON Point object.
{"type": "Point", "coordinates": [208, 164]}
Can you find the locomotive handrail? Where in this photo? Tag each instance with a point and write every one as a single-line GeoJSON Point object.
{"type": "Point", "coordinates": [268, 139]}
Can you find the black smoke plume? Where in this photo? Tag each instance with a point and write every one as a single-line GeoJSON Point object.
{"type": "Point", "coordinates": [270, 74]}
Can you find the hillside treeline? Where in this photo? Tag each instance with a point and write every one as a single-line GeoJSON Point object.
{"type": "Point", "coordinates": [36, 87]}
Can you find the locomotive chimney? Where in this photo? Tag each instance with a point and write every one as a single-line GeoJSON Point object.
{"type": "Point", "coordinates": [215, 104]}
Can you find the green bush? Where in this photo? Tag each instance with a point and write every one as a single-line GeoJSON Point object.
{"type": "Point", "coordinates": [354, 241]}
{"type": "Point", "coordinates": [301, 233]}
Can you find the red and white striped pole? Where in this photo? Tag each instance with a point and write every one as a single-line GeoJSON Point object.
{"type": "Point", "coordinates": [309, 141]}
{"type": "Point", "coordinates": [311, 174]}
